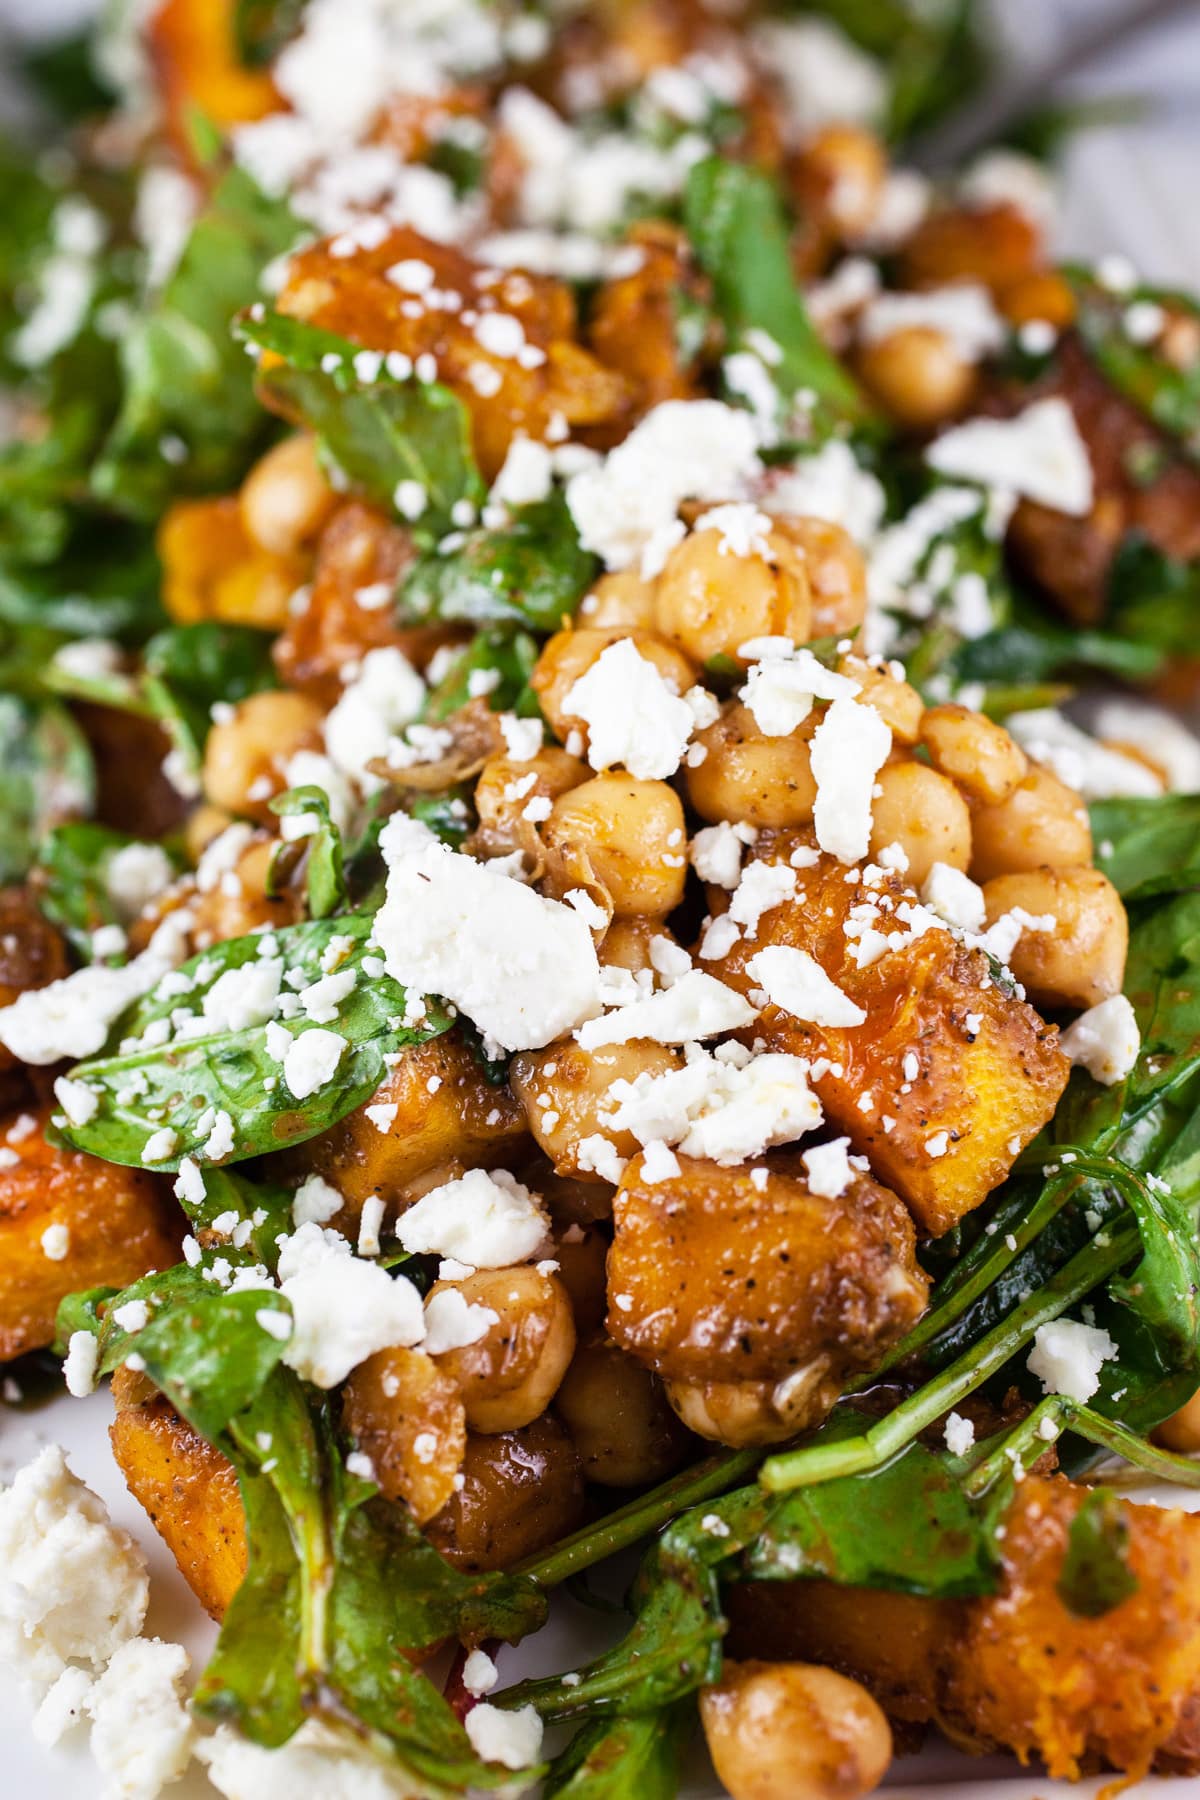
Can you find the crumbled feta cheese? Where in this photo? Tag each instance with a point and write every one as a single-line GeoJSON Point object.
{"type": "Point", "coordinates": [487, 1219]}
{"type": "Point", "coordinates": [849, 747]}
{"type": "Point", "coordinates": [315, 1202]}
{"type": "Point", "coordinates": [1039, 455]}
{"type": "Point", "coordinates": [522, 967]}
{"type": "Point", "coordinates": [724, 1111]}
{"type": "Point", "coordinates": [56, 1242]}
{"type": "Point", "coordinates": [318, 1763]}
{"type": "Point", "coordinates": [828, 1168]}
{"type": "Point", "coordinates": [135, 875]}
{"type": "Point", "coordinates": [160, 1145]}
{"type": "Point", "coordinates": [826, 78]}
{"type": "Point", "coordinates": [321, 999]}
{"type": "Point", "coordinates": [828, 484]}
{"type": "Point", "coordinates": [1067, 1358]}
{"type": "Point", "coordinates": [697, 1006]}
{"type": "Point", "coordinates": [716, 852]}
{"type": "Point", "coordinates": [954, 897]}
{"type": "Point", "coordinates": [344, 1309]}
{"type": "Point", "coordinates": [79, 1364]}
{"type": "Point", "coordinates": [763, 887]}
{"type": "Point", "coordinates": [683, 449]}
{"type": "Point", "coordinates": [1105, 1040]}
{"type": "Point", "coordinates": [1009, 178]}
{"type": "Point", "coordinates": [71, 1017]}
{"type": "Point", "coordinates": [63, 1706]}
{"type": "Point", "coordinates": [386, 695]}
{"type": "Point", "coordinates": [596, 1155]}
{"type": "Point", "coordinates": [526, 476]}
{"type": "Point", "coordinates": [1158, 734]}
{"type": "Point", "coordinates": [451, 1322]}
{"type": "Point", "coordinates": [311, 1061]}
{"type": "Point", "coordinates": [142, 1732]}
{"type": "Point", "coordinates": [792, 980]}
{"type": "Point", "coordinates": [513, 1739]}
{"type": "Point", "coordinates": [479, 1674]}
{"type": "Point", "coordinates": [633, 718]}
{"type": "Point", "coordinates": [1092, 769]}
{"type": "Point", "coordinates": [959, 1434]}
{"type": "Point", "coordinates": [80, 1102]}
{"type": "Point", "coordinates": [75, 1588]}
{"type": "Point", "coordinates": [783, 683]}
{"type": "Point", "coordinates": [963, 314]}
{"type": "Point", "coordinates": [742, 529]}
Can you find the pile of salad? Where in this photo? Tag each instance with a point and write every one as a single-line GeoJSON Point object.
{"type": "Point", "coordinates": [600, 928]}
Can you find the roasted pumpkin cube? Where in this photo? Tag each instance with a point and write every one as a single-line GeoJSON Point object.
{"type": "Point", "coordinates": [198, 70]}
{"type": "Point", "coordinates": [447, 1119]}
{"type": "Point", "coordinates": [67, 1222]}
{"type": "Point", "coordinates": [721, 1275]}
{"type": "Point", "coordinates": [32, 952]}
{"type": "Point", "coordinates": [634, 324]}
{"type": "Point", "coordinates": [949, 1076]}
{"type": "Point", "coordinates": [513, 377]}
{"type": "Point", "coordinates": [189, 1490]}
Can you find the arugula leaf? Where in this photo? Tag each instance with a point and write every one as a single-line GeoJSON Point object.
{"type": "Point", "coordinates": [1096, 1577]}
{"type": "Point", "coordinates": [46, 775]}
{"type": "Point", "coordinates": [100, 585]}
{"type": "Point", "coordinates": [735, 222]}
{"type": "Point", "coordinates": [623, 1759]}
{"type": "Point", "coordinates": [1034, 649]}
{"type": "Point", "coordinates": [503, 656]}
{"type": "Point", "coordinates": [532, 571]}
{"type": "Point", "coordinates": [186, 381]}
{"type": "Point", "coordinates": [160, 1077]}
{"type": "Point", "coordinates": [326, 876]}
{"type": "Point", "coordinates": [378, 430]}
{"type": "Point", "coordinates": [71, 873]}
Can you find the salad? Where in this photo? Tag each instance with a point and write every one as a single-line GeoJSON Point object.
{"type": "Point", "coordinates": [600, 939]}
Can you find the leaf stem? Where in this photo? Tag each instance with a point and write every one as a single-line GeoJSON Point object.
{"type": "Point", "coordinates": [828, 1462]}
{"type": "Point", "coordinates": [628, 1524]}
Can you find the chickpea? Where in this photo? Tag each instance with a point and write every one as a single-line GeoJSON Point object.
{"type": "Point", "coordinates": [794, 1731]}
{"type": "Point", "coordinates": [633, 834]}
{"type": "Point", "coordinates": [1042, 295]}
{"type": "Point", "coordinates": [569, 654]}
{"type": "Point", "coordinates": [1181, 1432]}
{"type": "Point", "coordinates": [575, 1084]}
{"type": "Point", "coordinates": [739, 1413]}
{"type": "Point", "coordinates": [204, 824]}
{"type": "Point", "coordinates": [749, 778]}
{"type": "Point", "coordinates": [848, 165]}
{"type": "Point", "coordinates": [918, 375]}
{"type": "Point", "coordinates": [509, 1376]}
{"type": "Point", "coordinates": [837, 573]}
{"type": "Point", "coordinates": [711, 602]}
{"type": "Point", "coordinates": [390, 1401]}
{"type": "Point", "coordinates": [973, 752]}
{"type": "Point", "coordinates": [581, 1252]}
{"type": "Point", "coordinates": [898, 704]}
{"type": "Point", "coordinates": [1080, 962]}
{"type": "Point", "coordinates": [521, 1491]}
{"type": "Point", "coordinates": [285, 499]}
{"type": "Point", "coordinates": [503, 790]}
{"type": "Point", "coordinates": [925, 814]}
{"type": "Point", "coordinates": [1042, 824]}
{"type": "Point", "coordinates": [623, 600]}
{"type": "Point", "coordinates": [614, 1409]}
{"type": "Point", "coordinates": [264, 731]}
{"type": "Point", "coordinates": [236, 908]}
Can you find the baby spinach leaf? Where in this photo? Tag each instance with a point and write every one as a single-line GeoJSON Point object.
{"type": "Point", "coordinates": [1033, 649]}
{"type": "Point", "coordinates": [71, 873]}
{"type": "Point", "coordinates": [46, 775]}
{"type": "Point", "coordinates": [735, 221]}
{"type": "Point", "coordinates": [448, 814]}
{"type": "Point", "coordinates": [1096, 1577]}
{"type": "Point", "coordinates": [532, 571]}
{"type": "Point", "coordinates": [378, 430]}
{"type": "Point", "coordinates": [326, 875]}
{"type": "Point", "coordinates": [1148, 846]}
{"type": "Point", "coordinates": [624, 1759]}
{"type": "Point", "coordinates": [188, 386]}
{"type": "Point", "coordinates": [174, 1071]}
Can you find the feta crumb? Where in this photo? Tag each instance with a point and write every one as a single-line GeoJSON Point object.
{"type": "Point", "coordinates": [344, 1309]}
{"type": "Point", "coordinates": [311, 1061]}
{"type": "Point", "coordinates": [513, 1739]}
{"type": "Point", "coordinates": [315, 1202]}
{"type": "Point", "coordinates": [142, 1732]}
{"type": "Point", "coordinates": [849, 747]}
{"type": "Point", "coordinates": [369, 1225]}
{"type": "Point", "coordinates": [56, 1242]}
{"type": "Point", "coordinates": [697, 1006]}
{"type": "Point", "coordinates": [1039, 455]}
{"type": "Point", "coordinates": [160, 1145]}
{"type": "Point", "coordinates": [77, 1099]}
{"type": "Point", "coordinates": [451, 1322]}
{"type": "Point", "coordinates": [716, 852]}
{"type": "Point", "coordinates": [959, 1434]}
{"type": "Point", "coordinates": [954, 897]}
{"type": "Point", "coordinates": [1105, 1040]}
{"type": "Point", "coordinates": [486, 1218]}
{"type": "Point", "coordinates": [1067, 1358]}
{"type": "Point", "coordinates": [716, 1108]}
{"type": "Point", "coordinates": [480, 1673]}
{"type": "Point", "coordinates": [783, 682]}
{"type": "Point", "coordinates": [794, 981]}
{"type": "Point", "coordinates": [633, 718]}
{"type": "Point", "coordinates": [828, 1168]}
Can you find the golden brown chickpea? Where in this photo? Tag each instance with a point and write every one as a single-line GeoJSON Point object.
{"type": "Point", "coordinates": [285, 499]}
{"type": "Point", "coordinates": [627, 944]}
{"type": "Point", "coordinates": [710, 601]}
{"type": "Point", "coordinates": [521, 1491]}
{"type": "Point", "coordinates": [581, 1252]}
{"type": "Point", "coordinates": [574, 1083]}
{"type": "Point", "coordinates": [1181, 1432]}
{"type": "Point", "coordinates": [794, 1731]}
{"type": "Point", "coordinates": [569, 654]}
{"type": "Point", "coordinates": [616, 1412]}
{"type": "Point", "coordinates": [749, 778]}
{"type": "Point", "coordinates": [391, 1401]}
{"type": "Point", "coordinates": [509, 1376]}
{"type": "Point", "coordinates": [236, 907]}
{"type": "Point", "coordinates": [918, 376]}
{"type": "Point", "coordinates": [925, 814]}
{"type": "Point", "coordinates": [898, 704]}
{"type": "Point", "coordinates": [1043, 295]}
{"type": "Point", "coordinates": [837, 573]}
{"type": "Point", "coordinates": [264, 731]}
{"type": "Point", "coordinates": [1041, 824]}
{"type": "Point", "coordinates": [1082, 960]}
{"type": "Point", "coordinates": [504, 790]}
{"type": "Point", "coordinates": [973, 752]}
{"type": "Point", "coordinates": [623, 601]}
{"type": "Point", "coordinates": [849, 165]}
{"type": "Point", "coordinates": [741, 1413]}
{"type": "Point", "coordinates": [633, 833]}
{"type": "Point", "coordinates": [204, 824]}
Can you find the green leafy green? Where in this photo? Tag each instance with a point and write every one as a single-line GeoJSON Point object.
{"type": "Point", "coordinates": [932, 58]}
{"type": "Point", "coordinates": [1148, 846]}
{"type": "Point", "coordinates": [325, 871]}
{"type": "Point", "coordinates": [103, 582]}
{"type": "Point", "coordinates": [1152, 599]}
{"type": "Point", "coordinates": [162, 1077]}
{"type": "Point", "coordinates": [501, 659]}
{"type": "Point", "coordinates": [189, 419]}
{"type": "Point", "coordinates": [261, 28]}
{"type": "Point", "coordinates": [46, 776]}
{"type": "Point", "coordinates": [1096, 1576]}
{"type": "Point", "coordinates": [532, 571]}
{"type": "Point", "coordinates": [72, 879]}
{"type": "Point", "coordinates": [1167, 392]}
{"type": "Point", "coordinates": [378, 430]}
{"type": "Point", "coordinates": [189, 669]}
{"type": "Point", "coordinates": [736, 226]}
{"type": "Point", "coordinates": [623, 1759]}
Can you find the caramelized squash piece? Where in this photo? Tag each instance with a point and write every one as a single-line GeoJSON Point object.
{"type": "Point", "coordinates": [212, 569]}
{"type": "Point", "coordinates": [948, 1078]}
{"type": "Point", "coordinates": [198, 70]}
